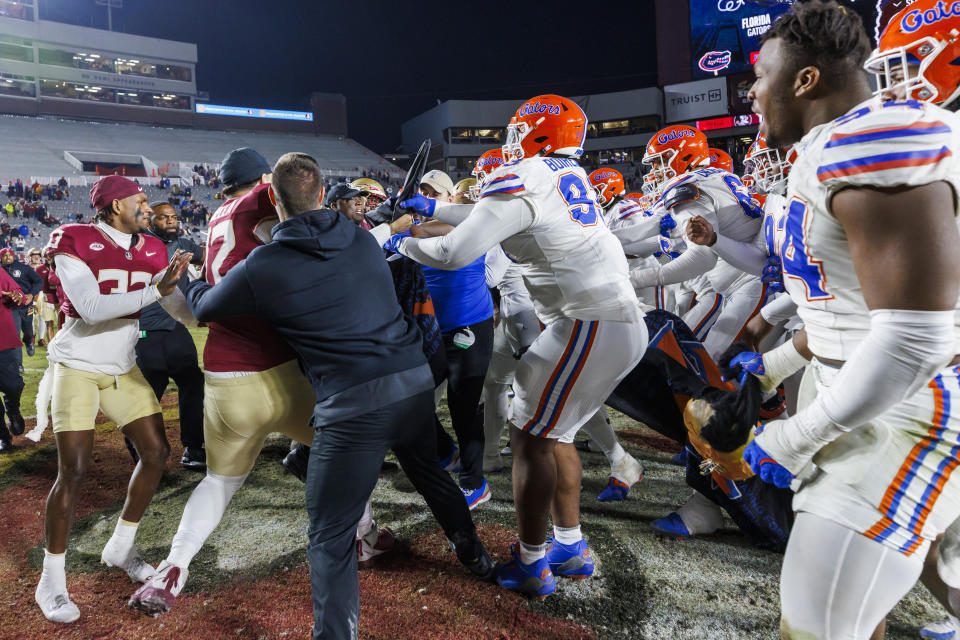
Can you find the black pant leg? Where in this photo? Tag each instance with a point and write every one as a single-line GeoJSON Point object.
{"type": "Point", "coordinates": [467, 370]}
{"type": "Point", "coordinates": [152, 361]}
{"type": "Point", "coordinates": [419, 461]}
{"type": "Point", "coordinates": [443, 440]}
{"type": "Point", "coordinates": [183, 367]}
{"type": "Point", "coordinates": [26, 324]}
{"type": "Point", "coordinates": [11, 382]}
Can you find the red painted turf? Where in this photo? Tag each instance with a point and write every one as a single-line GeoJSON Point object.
{"type": "Point", "coordinates": [421, 593]}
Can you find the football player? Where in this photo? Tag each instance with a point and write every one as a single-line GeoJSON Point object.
{"type": "Point", "coordinates": [688, 187]}
{"type": "Point", "coordinates": [541, 210]}
{"type": "Point", "coordinates": [871, 456]}
{"type": "Point", "coordinates": [914, 60]}
{"type": "Point", "coordinates": [106, 269]}
{"type": "Point", "coordinates": [253, 384]}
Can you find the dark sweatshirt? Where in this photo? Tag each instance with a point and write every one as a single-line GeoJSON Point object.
{"type": "Point", "coordinates": [324, 286]}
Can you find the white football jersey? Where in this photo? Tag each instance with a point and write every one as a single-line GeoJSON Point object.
{"type": "Point", "coordinates": [620, 218]}
{"type": "Point", "coordinates": [574, 267]}
{"type": "Point", "coordinates": [726, 203]}
{"type": "Point", "coordinates": [874, 145]}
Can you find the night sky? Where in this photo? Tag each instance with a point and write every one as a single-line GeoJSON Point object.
{"type": "Point", "coordinates": [392, 59]}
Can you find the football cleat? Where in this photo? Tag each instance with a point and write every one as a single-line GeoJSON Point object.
{"type": "Point", "coordinates": [534, 580]}
{"type": "Point", "coordinates": [451, 462]}
{"type": "Point", "coordinates": [946, 629]}
{"type": "Point", "coordinates": [376, 542]}
{"type": "Point", "coordinates": [56, 605]}
{"type": "Point", "coordinates": [680, 459]}
{"type": "Point", "coordinates": [615, 491]}
{"type": "Point", "coordinates": [34, 434]}
{"type": "Point", "coordinates": [671, 527]}
{"type": "Point", "coordinates": [570, 560]}
{"type": "Point", "coordinates": [159, 593]}
{"type": "Point", "coordinates": [476, 497]}
{"type": "Point", "coordinates": [131, 562]}
{"type": "Point", "coordinates": [626, 473]}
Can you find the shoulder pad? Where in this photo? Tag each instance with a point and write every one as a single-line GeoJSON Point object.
{"type": "Point", "coordinates": [683, 192]}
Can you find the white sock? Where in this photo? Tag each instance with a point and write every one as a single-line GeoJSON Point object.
{"type": "Point", "coordinates": [54, 571]}
{"type": "Point", "coordinates": [530, 553]}
{"type": "Point", "coordinates": [124, 534]}
{"type": "Point", "coordinates": [600, 430]}
{"type": "Point", "coordinates": [366, 523]}
{"type": "Point", "coordinates": [201, 516]}
{"type": "Point", "coordinates": [567, 535]}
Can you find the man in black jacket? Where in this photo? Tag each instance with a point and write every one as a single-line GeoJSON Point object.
{"type": "Point", "coordinates": [325, 287]}
{"type": "Point", "coordinates": [30, 283]}
{"type": "Point", "coordinates": [166, 350]}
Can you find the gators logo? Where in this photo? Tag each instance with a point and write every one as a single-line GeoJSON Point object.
{"type": "Point", "coordinates": [713, 61]}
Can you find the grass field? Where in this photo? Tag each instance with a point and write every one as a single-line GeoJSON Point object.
{"type": "Point", "coordinates": [251, 581]}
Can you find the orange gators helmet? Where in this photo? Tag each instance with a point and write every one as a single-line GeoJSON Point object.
{"type": "Point", "coordinates": [768, 167]}
{"type": "Point", "coordinates": [720, 159]}
{"type": "Point", "coordinates": [486, 164]}
{"type": "Point", "coordinates": [609, 185]}
{"type": "Point", "coordinates": [543, 125]}
{"type": "Point", "coordinates": [633, 195]}
{"type": "Point", "coordinates": [918, 57]}
{"type": "Point", "coordinates": [673, 151]}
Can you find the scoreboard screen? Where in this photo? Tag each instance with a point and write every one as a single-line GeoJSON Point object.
{"type": "Point", "coordinates": [725, 34]}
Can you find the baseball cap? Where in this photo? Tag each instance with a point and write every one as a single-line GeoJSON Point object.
{"type": "Point", "coordinates": [111, 188]}
{"type": "Point", "coordinates": [343, 191]}
{"type": "Point", "coordinates": [438, 180]}
{"type": "Point", "coordinates": [243, 165]}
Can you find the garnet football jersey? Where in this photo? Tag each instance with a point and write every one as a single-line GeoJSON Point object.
{"type": "Point", "coordinates": [245, 343]}
{"type": "Point", "coordinates": [106, 346]}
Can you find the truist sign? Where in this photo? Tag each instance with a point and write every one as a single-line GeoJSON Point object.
{"type": "Point", "coordinates": [696, 100]}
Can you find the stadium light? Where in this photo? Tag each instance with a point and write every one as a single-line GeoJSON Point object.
{"type": "Point", "coordinates": [110, 5]}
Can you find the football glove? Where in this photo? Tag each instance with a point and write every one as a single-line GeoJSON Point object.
{"type": "Point", "coordinates": [393, 242]}
{"type": "Point", "coordinates": [666, 223]}
{"type": "Point", "coordinates": [772, 274]}
{"type": "Point", "coordinates": [763, 464]}
{"type": "Point", "coordinates": [420, 205]}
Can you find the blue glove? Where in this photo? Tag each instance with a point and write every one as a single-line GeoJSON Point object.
{"type": "Point", "coordinates": [749, 362]}
{"type": "Point", "coordinates": [420, 205]}
{"type": "Point", "coordinates": [772, 274]}
{"type": "Point", "coordinates": [393, 242]}
{"type": "Point", "coordinates": [666, 223]}
{"type": "Point", "coordinates": [766, 467]}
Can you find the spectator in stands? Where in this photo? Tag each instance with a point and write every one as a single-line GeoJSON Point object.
{"type": "Point", "coordinates": [62, 182]}
{"type": "Point", "coordinates": [30, 284]}
{"type": "Point", "coordinates": [166, 350]}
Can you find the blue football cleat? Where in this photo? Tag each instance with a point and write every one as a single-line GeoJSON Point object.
{"type": "Point", "coordinates": [570, 560]}
{"type": "Point", "coordinates": [534, 580]}
{"type": "Point", "coordinates": [672, 527]}
{"type": "Point", "coordinates": [451, 462]}
{"type": "Point", "coordinates": [615, 491]}
{"type": "Point", "coordinates": [942, 630]}
{"type": "Point", "coordinates": [476, 497]}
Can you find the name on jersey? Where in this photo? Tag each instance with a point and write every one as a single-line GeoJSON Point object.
{"type": "Point", "coordinates": [675, 135]}
{"type": "Point", "coordinates": [560, 163]}
{"type": "Point", "coordinates": [96, 246]}
{"type": "Point", "coordinates": [537, 107]}
{"type": "Point", "coordinates": [915, 19]}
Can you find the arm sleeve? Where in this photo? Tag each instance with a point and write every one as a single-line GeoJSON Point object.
{"type": "Point", "coordinates": [495, 265]}
{"type": "Point", "coordinates": [452, 214]}
{"type": "Point", "coordinates": [492, 221]}
{"type": "Point", "coordinates": [232, 296]}
{"type": "Point", "coordinates": [81, 287]}
{"type": "Point", "coordinates": [381, 233]}
{"type": "Point", "coordinates": [643, 248]}
{"type": "Point", "coordinates": [746, 256]}
{"type": "Point", "coordinates": [695, 261]}
{"type": "Point", "coordinates": [638, 229]}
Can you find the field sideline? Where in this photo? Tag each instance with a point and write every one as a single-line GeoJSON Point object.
{"type": "Point", "coordinates": [251, 581]}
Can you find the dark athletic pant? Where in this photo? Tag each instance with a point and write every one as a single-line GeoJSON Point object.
{"type": "Point", "coordinates": [163, 355]}
{"type": "Point", "coordinates": [11, 386]}
{"type": "Point", "coordinates": [24, 325]}
{"type": "Point", "coordinates": [466, 369]}
{"type": "Point", "coordinates": [345, 460]}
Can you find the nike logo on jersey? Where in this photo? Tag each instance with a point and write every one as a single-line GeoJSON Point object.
{"type": "Point", "coordinates": [149, 253]}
